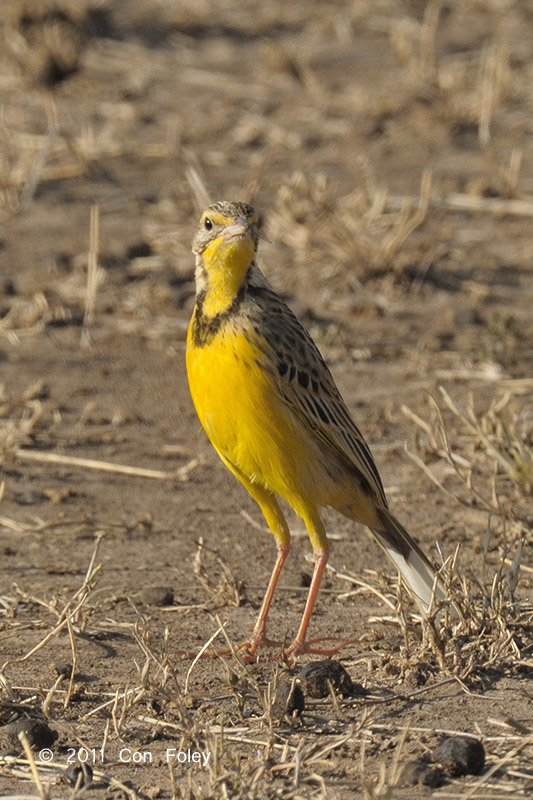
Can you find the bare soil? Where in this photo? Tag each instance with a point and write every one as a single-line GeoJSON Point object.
{"type": "Point", "coordinates": [330, 118]}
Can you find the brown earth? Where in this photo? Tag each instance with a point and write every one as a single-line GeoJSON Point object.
{"type": "Point", "coordinates": [329, 117]}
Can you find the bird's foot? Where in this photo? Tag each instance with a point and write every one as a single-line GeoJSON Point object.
{"type": "Point", "coordinates": [298, 648]}
{"type": "Point", "coordinates": [247, 650]}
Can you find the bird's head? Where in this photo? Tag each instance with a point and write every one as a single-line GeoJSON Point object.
{"type": "Point", "coordinates": [225, 245]}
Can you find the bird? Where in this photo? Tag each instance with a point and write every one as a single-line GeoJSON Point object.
{"type": "Point", "coordinates": [272, 411]}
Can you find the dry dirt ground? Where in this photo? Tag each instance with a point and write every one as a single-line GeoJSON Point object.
{"type": "Point", "coordinates": [388, 146]}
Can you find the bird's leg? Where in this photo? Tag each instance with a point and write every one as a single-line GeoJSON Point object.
{"type": "Point", "coordinates": [299, 644]}
{"type": "Point", "coordinates": [319, 540]}
{"type": "Point", "coordinates": [321, 559]}
{"type": "Point", "coordinates": [278, 525]}
{"type": "Point", "coordinates": [259, 633]}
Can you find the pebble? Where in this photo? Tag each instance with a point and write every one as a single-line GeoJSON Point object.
{"type": "Point", "coordinates": [420, 772]}
{"type": "Point", "coordinates": [317, 676]}
{"type": "Point", "coordinates": [63, 668]}
{"type": "Point", "coordinates": [461, 755]}
{"type": "Point", "coordinates": [38, 733]}
{"type": "Point", "coordinates": [289, 700]}
{"type": "Point", "coordinates": [79, 775]}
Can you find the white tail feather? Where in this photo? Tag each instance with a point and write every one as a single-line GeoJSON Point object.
{"type": "Point", "coordinates": [413, 565]}
{"type": "Point", "coordinates": [419, 579]}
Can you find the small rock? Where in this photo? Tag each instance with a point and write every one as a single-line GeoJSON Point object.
{"type": "Point", "coordinates": [317, 676]}
{"type": "Point", "coordinates": [61, 668]}
{"type": "Point", "coordinates": [79, 775]}
{"type": "Point", "coordinates": [289, 700]}
{"type": "Point", "coordinates": [461, 755]}
{"type": "Point", "coordinates": [157, 596]}
{"type": "Point", "coordinates": [38, 733]}
{"type": "Point", "coordinates": [418, 772]}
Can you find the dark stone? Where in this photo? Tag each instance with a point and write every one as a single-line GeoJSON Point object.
{"type": "Point", "coordinates": [420, 772]}
{"type": "Point", "coordinates": [461, 755]}
{"type": "Point", "coordinates": [79, 775]}
{"type": "Point", "coordinates": [289, 700]}
{"type": "Point", "coordinates": [38, 733]}
{"type": "Point", "coordinates": [317, 676]}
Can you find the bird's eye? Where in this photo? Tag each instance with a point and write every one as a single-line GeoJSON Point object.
{"type": "Point", "coordinates": [208, 225]}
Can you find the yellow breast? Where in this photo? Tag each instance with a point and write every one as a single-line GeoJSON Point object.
{"type": "Point", "coordinates": [244, 416]}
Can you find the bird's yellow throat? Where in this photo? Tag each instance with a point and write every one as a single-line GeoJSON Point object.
{"type": "Point", "coordinates": [226, 261]}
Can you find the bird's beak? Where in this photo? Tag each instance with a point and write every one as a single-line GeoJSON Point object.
{"type": "Point", "coordinates": [238, 229]}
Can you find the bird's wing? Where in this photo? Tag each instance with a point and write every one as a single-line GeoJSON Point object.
{"type": "Point", "coordinates": [307, 386]}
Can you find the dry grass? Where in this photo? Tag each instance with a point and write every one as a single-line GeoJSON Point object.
{"type": "Point", "coordinates": [297, 755]}
{"type": "Point", "coordinates": [359, 232]}
{"type": "Point", "coordinates": [23, 418]}
{"type": "Point", "coordinates": [493, 458]}
{"type": "Point", "coordinates": [488, 467]}
{"type": "Point", "coordinates": [157, 710]}
{"type": "Point", "coordinates": [466, 93]}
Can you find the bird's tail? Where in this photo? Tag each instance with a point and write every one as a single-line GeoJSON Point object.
{"type": "Point", "coordinates": [412, 563]}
